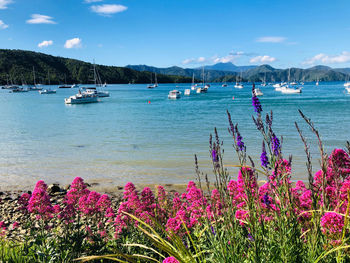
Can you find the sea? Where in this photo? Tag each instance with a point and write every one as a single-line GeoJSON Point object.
{"type": "Point", "coordinates": [139, 135]}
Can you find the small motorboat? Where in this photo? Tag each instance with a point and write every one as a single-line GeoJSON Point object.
{"type": "Point", "coordinates": [238, 86]}
{"type": "Point", "coordinates": [187, 92]}
{"type": "Point", "coordinates": [224, 85]}
{"type": "Point", "coordinates": [174, 94]}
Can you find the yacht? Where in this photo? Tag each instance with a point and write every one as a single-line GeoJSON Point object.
{"type": "Point", "coordinates": [18, 90]}
{"type": "Point", "coordinates": [348, 89]}
{"type": "Point", "coordinates": [347, 84]}
{"type": "Point", "coordinates": [287, 90]}
{"type": "Point", "coordinates": [64, 87]}
{"type": "Point", "coordinates": [81, 98]}
{"type": "Point", "coordinates": [224, 85]}
{"type": "Point", "coordinates": [47, 91]}
{"type": "Point", "coordinates": [187, 92]}
{"type": "Point", "coordinates": [193, 86]}
{"type": "Point", "coordinates": [152, 86]}
{"type": "Point", "coordinates": [258, 92]}
{"type": "Point", "coordinates": [35, 87]}
{"type": "Point", "coordinates": [239, 86]}
{"type": "Point", "coordinates": [174, 94]}
{"type": "Point", "coordinates": [94, 91]}
{"type": "Point", "coordinates": [75, 86]}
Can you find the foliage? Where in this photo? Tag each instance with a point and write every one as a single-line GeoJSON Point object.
{"type": "Point", "coordinates": [17, 66]}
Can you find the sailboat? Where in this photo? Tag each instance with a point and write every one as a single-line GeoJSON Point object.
{"type": "Point", "coordinates": [347, 83]}
{"type": "Point", "coordinates": [317, 81]}
{"type": "Point", "coordinates": [204, 88]}
{"type": "Point", "coordinates": [193, 86]}
{"type": "Point", "coordinates": [238, 84]}
{"type": "Point", "coordinates": [98, 83]}
{"type": "Point", "coordinates": [35, 87]}
{"type": "Point", "coordinates": [47, 90]}
{"type": "Point", "coordinates": [65, 86]}
{"type": "Point", "coordinates": [152, 86]}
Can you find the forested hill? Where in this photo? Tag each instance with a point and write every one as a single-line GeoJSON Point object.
{"type": "Point", "coordinates": [17, 66]}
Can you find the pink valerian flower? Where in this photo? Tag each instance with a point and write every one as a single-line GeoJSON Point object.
{"type": "Point", "coordinates": [3, 228]}
{"type": "Point", "coordinates": [88, 203]}
{"type": "Point", "coordinates": [103, 203]}
{"type": "Point", "coordinates": [23, 202]}
{"type": "Point", "coordinates": [216, 201]}
{"type": "Point", "coordinates": [77, 190]}
{"type": "Point", "coordinates": [57, 209]}
{"type": "Point", "coordinates": [39, 203]}
{"type": "Point", "coordinates": [170, 260]}
{"type": "Point", "coordinates": [332, 223]}
{"type": "Point", "coordinates": [283, 170]}
{"type": "Point", "coordinates": [41, 185]}
{"type": "Point", "coordinates": [241, 216]}
{"type": "Point", "coordinates": [339, 162]}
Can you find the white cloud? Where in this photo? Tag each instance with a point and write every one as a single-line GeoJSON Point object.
{"type": "Point", "coordinates": [45, 43]}
{"type": "Point", "coordinates": [262, 59]}
{"type": "Point", "coordinates": [5, 3]}
{"type": "Point", "coordinates": [328, 59]}
{"type": "Point", "coordinates": [107, 10]}
{"type": "Point", "coordinates": [271, 39]}
{"type": "Point", "coordinates": [73, 43]}
{"type": "Point", "coordinates": [40, 19]}
{"type": "Point", "coordinates": [3, 25]}
{"type": "Point", "coordinates": [92, 1]}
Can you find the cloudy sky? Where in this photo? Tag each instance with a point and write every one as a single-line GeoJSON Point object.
{"type": "Point", "coordinates": [186, 33]}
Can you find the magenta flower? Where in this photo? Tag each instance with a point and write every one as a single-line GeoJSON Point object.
{"type": "Point", "coordinates": [332, 223]}
{"type": "Point", "coordinates": [170, 260]}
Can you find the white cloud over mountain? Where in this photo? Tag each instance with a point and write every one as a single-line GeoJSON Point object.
{"type": "Point", "coordinates": [328, 59]}
{"type": "Point", "coordinates": [45, 43]}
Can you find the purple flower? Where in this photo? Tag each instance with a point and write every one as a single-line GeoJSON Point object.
{"type": "Point", "coordinates": [213, 230]}
{"type": "Point", "coordinates": [263, 157]}
{"type": "Point", "coordinates": [275, 145]}
{"type": "Point", "coordinates": [240, 143]}
{"type": "Point", "coordinates": [266, 199]}
{"type": "Point", "coordinates": [215, 156]}
{"type": "Point", "coordinates": [250, 237]}
{"type": "Point", "coordinates": [256, 103]}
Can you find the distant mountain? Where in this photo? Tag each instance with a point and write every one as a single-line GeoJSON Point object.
{"type": "Point", "coordinates": [228, 67]}
{"type": "Point", "coordinates": [16, 66]}
{"type": "Point", "coordinates": [254, 73]}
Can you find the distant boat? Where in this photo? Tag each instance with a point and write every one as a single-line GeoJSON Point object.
{"type": "Point", "coordinates": [224, 85]}
{"type": "Point", "coordinates": [152, 86]}
{"type": "Point", "coordinates": [187, 92]}
{"type": "Point", "coordinates": [64, 87]}
{"type": "Point", "coordinates": [348, 89]}
{"type": "Point", "coordinates": [35, 87]}
{"type": "Point", "coordinates": [238, 84]}
{"type": "Point", "coordinates": [18, 90]}
{"type": "Point", "coordinates": [258, 92]}
{"type": "Point", "coordinates": [317, 82]}
{"type": "Point", "coordinates": [204, 88]}
{"type": "Point", "coordinates": [287, 90]}
{"type": "Point", "coordinates": [75, 86]}
{"type": "Point", "coordinates": [94, 90]}
{"type": "Point", "coordinates": [193, 86]}
{"type": "Point", "coordinates": [174, 94]}
{"type": "Point", "coordinates": [81, 98]}
{"type": "Point", "coordinates": [47, 90]}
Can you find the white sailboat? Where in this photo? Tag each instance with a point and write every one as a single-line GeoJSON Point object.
{"type": "Point", "coordinates": [239, 85]}
{"type": "Point", "coordinates": [97, 89]}
{"type": "Point", "coordinates": [47, 90]}
{"type": "Point", "coordinates": [35, 87]}
{"type": "Point", "coordinates": [152, 86]}
{"type": "Point", "coordinates": [204, 88]}
{"type": "Point", "coordinates": [193, 86]}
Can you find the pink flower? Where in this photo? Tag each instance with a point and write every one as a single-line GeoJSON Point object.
{"type": "Point", "coordinates": [332, 223]}
{"type": "Point", "coordinates": [170, 260]}
{"type": "Point", "coordinates": [39, 203]}
{"type": "Point", "coordinates": [15, 225]}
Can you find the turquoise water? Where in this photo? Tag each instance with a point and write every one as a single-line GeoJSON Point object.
{"type": "Point", "coordinates": [125, 138]}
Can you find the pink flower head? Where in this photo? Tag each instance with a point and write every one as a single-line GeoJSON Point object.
{"type": "Point", "coordinates": [339, 162]}
{"type": "Point", "coordinates": [41, 185]}
{"type": "Point", "coordinates": [103, 203]}
{"type": "Point", "coordinates": [77, 190]}
{"type": "Point", "coordinates": [39, 203]}
{"type": "Point", "coordinates": [88, 203]}
{"type": "Point", "coordinates": [332, 223]}
{"type": "Point", "coordinates": [15, 225]}
{"type": "Point", "coordinates": [170, 260]}
{"type": "Point", "coordinates": [23, 202]}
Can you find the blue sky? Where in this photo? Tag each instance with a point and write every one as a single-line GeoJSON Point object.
{"type": "Point", "coordinates": [186, 33]}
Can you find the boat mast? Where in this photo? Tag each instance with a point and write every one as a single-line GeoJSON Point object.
{"type": "Point", "coordinates": [203, 75]}
{"type": "Point", "coordinates": [34, 76]}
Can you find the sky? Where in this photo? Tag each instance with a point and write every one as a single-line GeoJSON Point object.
{"type": "Point", "coordinates": [185, 33]}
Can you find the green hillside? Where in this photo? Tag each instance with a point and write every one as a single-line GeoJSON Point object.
{"type": "Point", "coordinates": [17, 66]}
